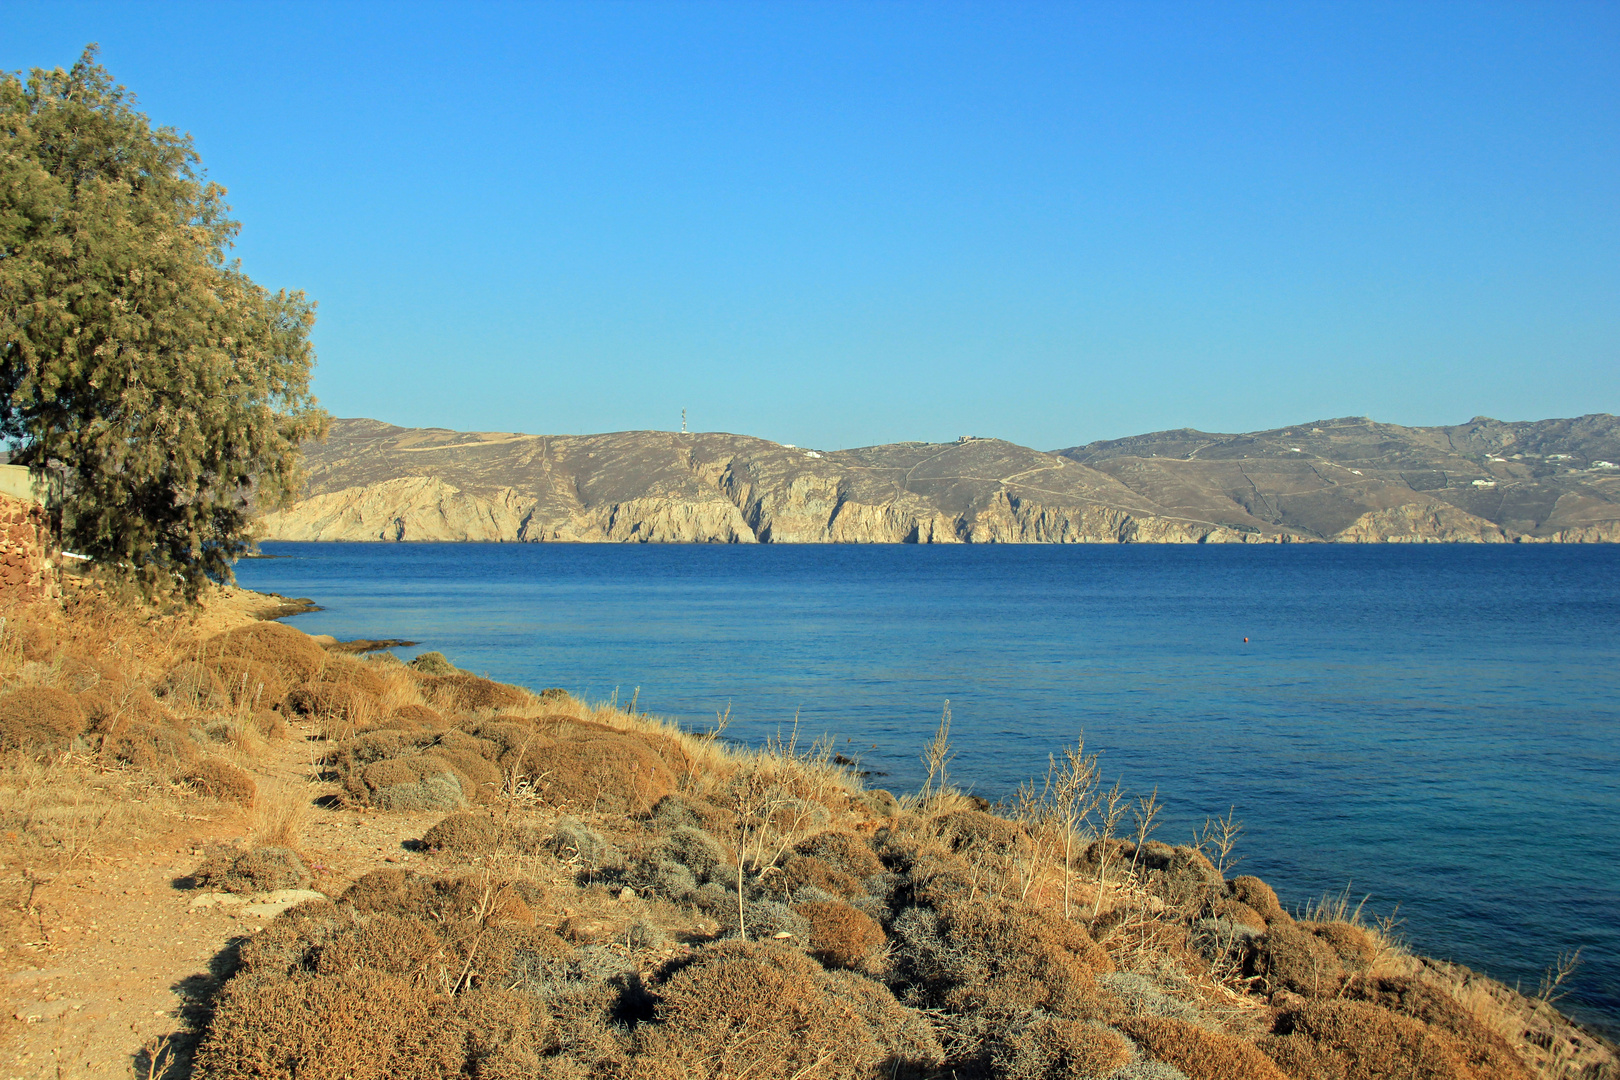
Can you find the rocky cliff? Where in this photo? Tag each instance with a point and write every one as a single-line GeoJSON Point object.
{"type": "Point", "coordinates": [1346, 480]}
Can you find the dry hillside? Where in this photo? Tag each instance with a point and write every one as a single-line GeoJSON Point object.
{"type": "Point", "coordinates": [1348, 480]}
{"type": "Point", "coordinates": [230, 850]}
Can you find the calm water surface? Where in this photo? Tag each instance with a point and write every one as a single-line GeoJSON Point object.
{"type": "Point", "coordinates": [1435, 726]}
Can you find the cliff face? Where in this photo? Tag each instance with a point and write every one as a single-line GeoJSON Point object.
{"type": "Point", "coordinates": [373, 481]}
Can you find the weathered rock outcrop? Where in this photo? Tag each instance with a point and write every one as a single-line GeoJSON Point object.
{"type": "Point", "coordinates": [1382, 484]}
{"type": "Point", "coordinates": [1421, 523]}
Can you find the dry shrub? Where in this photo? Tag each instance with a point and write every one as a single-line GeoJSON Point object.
{"type": "Point", "coordinates": [1238, 912]}
{"type": "Point", "coordinates": [448, 901]}
{"type": "Point", "coordinates": [1352, 944]}
{"type": "Point", "coordinates": [573, 841]}
{"type": "Point", "coordinates": [462, 833]}
{"type": "Point", "coordinates": [572, 764]}
{"type": "Point", "coordinates": [935, 879]}
{"type": "Point", "coordinates": [1373, 1043]}
{"type": "Point", "coordinates": [250, 682]}
{"type": "Point", "coordinates": [238, 732]}
{"type": "Point", "coordinates": [1292, 958]}
{"type": "Point", "coordinates": [112, 703]}
{"type": "Point", "coordinates": [334, 704]}
{"type": "Point", "coordinates": [847, 852]}
{"type": "Point", "coordinates": [1056, 1048]}
{"type": "Point", "coordinates": [191, 686]}
{"type": "Point", "coordinates": [262, 869]}
{"type": "Point", "coordinates": [681, 862]}
{"type": "Point", "coordinates": [1008, 959]}
{"type": "Point", "coordinates": [358, 1025]}
{"type": "Point", "coordinates": [965, 829]}
{"type": "Point", "coordinates": [268, 723]}
{"type": "Point", "coordinates": [33, 633]}
{"type": "Point", "coordinates": [397, 892]}
{"type": "Point", "coordinates": [39, 719]}
{"type": "Point", "coordinates": [60, 806]}
{"type": "Point", "coordinates": [799, 871]}
{"type": "Point", "coordinates": [1302, 1059]}
{"type": "Point", "coordinates": [77, 673]}
{"type": "Point", "coordinates": [414, 718]}
{"type": "Point", "coordinates": [472, 760]}
{"type": "Point", "coordinates": [433, 663]}
{"type": "Point", "coordinates": [395, 944]}
{"type": "Point", "coordinates": [352, 755]}
{"type": "Point", "coordinates": [689, 811]}
{"type": "Point", "coordinates": [352, 672]}
{"type": "Point", "coordinates": [223, 781]}
{"type": "Point", "coordinates": [292, 654]}
{"type": "Point", "coordinates": [1187, 877]}
{"type": "Point", "coordinates": [288, 945]}
{"type": "Point", "coordinates": [1484, 1050]}
{"type": "Point", "coordinates": [769, 1013]}
{"type": "Point", "coordinates": [1201, 1054]}
{"type": "Point", "coordinates": [504, 1031]}
{"type": "Point", "coordinates": [414, 782]}
{"type": "Point", "coordinates": [878, 802]}
{"type": "Point", "coordinates": [149, 746]}
{"type": "Point", "coordinates": [1257, 895]}
{"type": "Point", "coordinates": [470, 693]}
{"type": "Point", "coordinates": [612, 772]}
{"type": "Point", "coordinates": [906, 1037]}
{"type": "Point", "coordinates": [841, 936]}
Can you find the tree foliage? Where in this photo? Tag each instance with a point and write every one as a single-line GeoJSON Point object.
{"type": "Point", "coordinates": [162, 391]}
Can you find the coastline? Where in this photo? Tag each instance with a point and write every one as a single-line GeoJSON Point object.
{"type": "Point", "coordinates": [586, 840]}
{"type": "Point", "coordinates": [1539, 1021]}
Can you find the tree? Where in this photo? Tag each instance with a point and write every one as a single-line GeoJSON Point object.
{"type": "Point", "coordinates": [162, 392]}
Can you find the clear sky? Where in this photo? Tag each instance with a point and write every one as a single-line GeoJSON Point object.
{"type": "Point", "coordinates": [842, 224]}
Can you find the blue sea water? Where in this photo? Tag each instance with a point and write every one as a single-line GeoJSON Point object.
{"type": "Point", "coordinates": [1436, 727]}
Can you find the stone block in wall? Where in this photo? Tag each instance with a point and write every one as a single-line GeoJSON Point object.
{"type": "Point", "coordinates": [27, 568]}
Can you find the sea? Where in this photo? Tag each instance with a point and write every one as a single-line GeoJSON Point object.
{"type": "Point", "coordinates": [1430, 730]}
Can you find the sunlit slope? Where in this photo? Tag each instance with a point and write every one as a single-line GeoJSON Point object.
{"type": "Point", "coordinates": [1354, 479]}
{"type": "Point", "coordinates": [372, 481]}
{"type": "Point", "coordinates": [1348, 479]}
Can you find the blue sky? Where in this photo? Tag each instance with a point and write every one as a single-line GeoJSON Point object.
{"type": "Point", "coordinates": [842, 224]}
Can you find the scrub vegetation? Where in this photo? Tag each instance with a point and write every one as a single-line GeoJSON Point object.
{"type": "Point", "coordinates": [597, 893]}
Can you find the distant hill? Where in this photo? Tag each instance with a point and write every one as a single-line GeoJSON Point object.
{"type": "Point", "coordinates": [1347, 480]}
{"type": "Point", "coordinates": [1352, 478]}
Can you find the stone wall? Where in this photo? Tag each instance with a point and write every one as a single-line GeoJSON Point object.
{"type": "Point", "coordinates": [26, 570]}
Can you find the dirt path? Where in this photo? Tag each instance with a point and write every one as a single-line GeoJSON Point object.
{"type": "Point", "coordinates": [122, 960]}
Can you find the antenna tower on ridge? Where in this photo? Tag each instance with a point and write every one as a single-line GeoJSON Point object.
{"type": "Point", "coordinates": [683, 421]}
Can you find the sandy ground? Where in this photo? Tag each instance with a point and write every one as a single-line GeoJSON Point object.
{"type": "Point", "coordinates": [117, 961]}
{"type": "Point", "coordinates": [125, 955]}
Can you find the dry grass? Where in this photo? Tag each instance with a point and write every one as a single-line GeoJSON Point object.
{"type": "Point", "coordinates": [66, 808]}
{"type": "Point", "coordinates": [281, 814]}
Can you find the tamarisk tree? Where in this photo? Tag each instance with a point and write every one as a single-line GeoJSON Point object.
{"type": "Point", "coordinates": [162, 393]}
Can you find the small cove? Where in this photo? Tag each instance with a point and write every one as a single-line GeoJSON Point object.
{"type": "Point", "coordinates": [1434, 726]}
